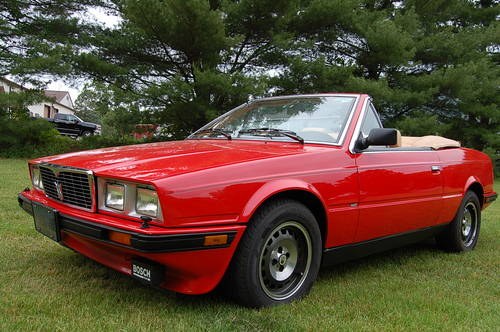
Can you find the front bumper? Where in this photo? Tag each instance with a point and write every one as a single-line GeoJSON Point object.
{"type": "Point", "coordinates": [139, 242]}
{"type": "Point", "coordinates": [191, 266]}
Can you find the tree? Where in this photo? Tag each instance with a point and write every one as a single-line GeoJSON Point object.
{"type": "Point", "coordinates": [178, 59]}
{"type": "Point", "coordinates": [36, 36]}
{"type": "Point", "coordinates": [36, 39]}
{"type": "Point", "coordinates": [186, 61]}
{"type": "Point", "coordinates": [113, 108]}
{"type": "Point", "coordinates": [14, 105]}
{"type": "Point", "coordinates": [438, 58]}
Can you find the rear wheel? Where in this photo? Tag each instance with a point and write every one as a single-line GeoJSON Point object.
{"type": "Point", "coordinates": [463, 232]}
{"type": "Point", "coordinates": [278, 257]}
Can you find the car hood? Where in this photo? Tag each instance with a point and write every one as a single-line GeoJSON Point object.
{"type": "Point", "coordinates": [150, 162]}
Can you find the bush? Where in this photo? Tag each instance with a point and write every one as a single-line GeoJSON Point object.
{"type": "Point", "coordinates": [495, 159]}
{"type": "Point", "coordinates": [96, 142]}
{"type": "Point", "coordinates": [31, 138]}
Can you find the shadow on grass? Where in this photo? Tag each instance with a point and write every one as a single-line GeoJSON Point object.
{"type": "Point", "coordinates": [88, 276]}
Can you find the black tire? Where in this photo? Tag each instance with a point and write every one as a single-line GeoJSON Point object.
{"type": "Point", "coordinates": [279, 256]}
{"type": "Point", "coordinates": [463, 232]}
{"type": "Point", "coordinates": [86, 133]}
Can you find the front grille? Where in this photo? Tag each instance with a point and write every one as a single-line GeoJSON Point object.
{"type": "Point", "coordinates": [68, 185]}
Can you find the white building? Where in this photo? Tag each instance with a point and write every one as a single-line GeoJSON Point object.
{"type": "Point", "coordinates": [60, 101]}
{"type": "Point", "coordinates": [7, 86]}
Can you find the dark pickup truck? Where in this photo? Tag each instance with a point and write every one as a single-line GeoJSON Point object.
{"type": "Point", "coordinates": [69, 124]}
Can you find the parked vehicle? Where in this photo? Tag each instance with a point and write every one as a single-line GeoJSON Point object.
{"type": "Point", "coordinates": [71, 125]}
{"type": "Point", "coordinates": [149, 131]}
{"type": "Point", "coordinates": [261, 197]}
{"type": "Point", "coordinates": [145, 131]}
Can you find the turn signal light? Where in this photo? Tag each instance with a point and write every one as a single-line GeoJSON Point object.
{"type": "Point", "coordinates": [118, 237]}
{"type": "Point", "coordinates": [215, 240]}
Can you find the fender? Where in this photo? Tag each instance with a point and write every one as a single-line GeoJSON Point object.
{"type": "Point", "coordinates": [470, 181]}
{"type": "Point", "coordinates": [275, 187]}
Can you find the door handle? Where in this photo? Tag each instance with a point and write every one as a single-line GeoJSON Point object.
{"type": "Point", "coordinates": [435, 169]}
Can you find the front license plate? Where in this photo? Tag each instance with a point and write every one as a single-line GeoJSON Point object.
{"type": "Point", "coordinates": [46, 221]}
{"type": "Point", "coordinates": [147, 272]}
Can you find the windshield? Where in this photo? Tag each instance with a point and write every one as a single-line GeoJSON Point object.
{"type": "Point", "coordinates": [314, 119]}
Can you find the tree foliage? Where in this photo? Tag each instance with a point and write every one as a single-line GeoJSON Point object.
{"type": "Point", "coordinates": [183, 62]}
{"type": "Point", "coordinates": [117, 111]}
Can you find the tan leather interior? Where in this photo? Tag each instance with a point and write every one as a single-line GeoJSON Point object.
{"type": "Point", "coordinates": [434, 142]}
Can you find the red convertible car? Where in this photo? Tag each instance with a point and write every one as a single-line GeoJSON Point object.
{"type": "Point", "coordinates": [261, 197]}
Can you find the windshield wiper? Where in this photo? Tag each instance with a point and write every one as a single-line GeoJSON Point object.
{"type": "Point", "coordinates": [216, 131]}
{"type": "Point", "coordinates": [273, 132]}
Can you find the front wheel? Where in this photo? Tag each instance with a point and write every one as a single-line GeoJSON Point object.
{"type": "Point", "coordinates": [278, 257]}
{"type": "Point", "coordinates": [463, 232]}
{"type": "Point", "coordinates": [86, 133]}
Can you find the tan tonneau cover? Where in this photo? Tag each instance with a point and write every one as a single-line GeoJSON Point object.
{"type": "Point", "coordinates": [434, 142]}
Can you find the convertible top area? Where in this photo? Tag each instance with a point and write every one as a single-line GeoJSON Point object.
{"type": "Point", "coordinates": [430, 141]}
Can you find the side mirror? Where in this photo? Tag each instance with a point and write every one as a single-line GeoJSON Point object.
{"type": "Point", "coordinates": [378, 136]}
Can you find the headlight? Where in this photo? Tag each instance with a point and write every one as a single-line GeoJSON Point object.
{"type": "Point", "coordinates": [129, 199]}
{"type": "Point", "coordinates": [115, 196]}
{"type": "Point", "coordinates": [36, 178]}
{"type": "Point", "coordinates": [147, 202]}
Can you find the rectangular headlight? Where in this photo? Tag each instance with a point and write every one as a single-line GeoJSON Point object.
{"type": "Point", "coordinates": [147, 202]}
{"type": "Point", "coordinates": [36, 177]}
{"type": "Point", "coordinates": [115, 196]}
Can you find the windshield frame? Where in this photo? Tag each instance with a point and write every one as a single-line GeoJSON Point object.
{"type": "Point", "coordinates": [342, 137]}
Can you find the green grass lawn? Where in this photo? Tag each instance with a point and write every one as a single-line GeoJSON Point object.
{"type": "Point", "coordinates": [44, 286]}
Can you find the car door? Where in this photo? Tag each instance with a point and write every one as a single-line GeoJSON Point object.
{"type": "Point", "coordinates": [400, 188]}
{"type": "Point", "coordinates": [62, 123]}
{"type": "Point", "coordinates": [73, 126]}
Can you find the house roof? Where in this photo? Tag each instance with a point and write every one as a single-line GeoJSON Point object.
{"type": "Point", "coordinates": [9, 82]}
{"type": "Point", "coordinates": [58, 95]}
